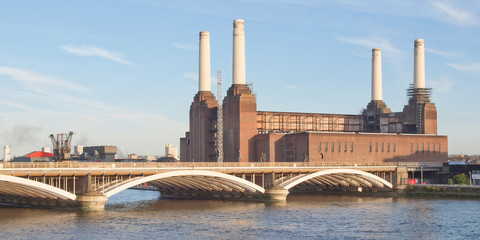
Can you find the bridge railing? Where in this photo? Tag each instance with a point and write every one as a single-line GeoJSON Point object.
{"type": "Point", "coordinates": [74, 164]}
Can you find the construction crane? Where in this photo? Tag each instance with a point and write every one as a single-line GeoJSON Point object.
{"type": "Point", "coordinates": [61, 146]}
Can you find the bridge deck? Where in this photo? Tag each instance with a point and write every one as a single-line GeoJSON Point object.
{"type": "Point", "coordinates": [50, 169]}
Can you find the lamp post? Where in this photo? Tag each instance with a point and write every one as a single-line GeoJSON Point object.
{"type": "Point", "coordinates": [470, 173]}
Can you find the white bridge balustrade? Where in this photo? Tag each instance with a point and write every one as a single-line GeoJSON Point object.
{"type": "Point", "coordinates": [88, 185]}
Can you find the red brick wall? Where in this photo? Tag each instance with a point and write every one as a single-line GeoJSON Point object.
{"type": "Point", "coordinates": [396, 147]}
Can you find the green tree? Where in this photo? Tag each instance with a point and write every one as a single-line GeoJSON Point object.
{"type": "Point", "coordinates": [461, 179]}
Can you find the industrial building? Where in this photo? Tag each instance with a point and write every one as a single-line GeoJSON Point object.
{"type": "Point", "coordinates": [249, 135]}
{"type": "Point", "coordinates": [99, 153]}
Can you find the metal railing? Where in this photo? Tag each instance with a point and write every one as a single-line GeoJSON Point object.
{"type": "Point", "coordinates": [186, 164]}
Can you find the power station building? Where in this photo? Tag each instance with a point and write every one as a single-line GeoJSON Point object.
{"type": "Point", "coordinates": [249, 135]}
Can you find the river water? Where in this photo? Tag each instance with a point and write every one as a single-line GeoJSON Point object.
{"type": "Point", "coordinates": [140, 214]}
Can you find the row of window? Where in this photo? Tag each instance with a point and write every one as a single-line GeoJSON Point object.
{"type": "Point", "coordinates": [383, 147]}
{"type": "Point", "coordinates": [411, 147]}
{"type": "Point", "coordinates": [417, 148]}
{"type": "Point", "coordinates": [339, 148]}
{"type": "Point", "coordinates": [394, 147]}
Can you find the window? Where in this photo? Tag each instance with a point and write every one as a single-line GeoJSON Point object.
{"type": "Point", "coordinates": [388, 147]}
{"type": "Point", "coordinates": [411, 147]}
{"type": "Point", "coordinates": [370, 147]}
{"type": "Point", "coordinates": [320, 146]}
{"type": "Point", "coordinates": [351, 147]}
{"type": "Point", "coordinates": [339, 146]}
{"type": "Point", "coordinates": [428, 147]}
{"type": "Point", "coordinates": [345, 146]}
{"type": "Point", "coordinates": [326, 146]}
{"type": "Point", "coordinates": [423, 147]}
{"type": "Point", "coordinates": [439, 148]}
{"type": "Point", "coordinates": [376, 147]}
{"type": "Point", "coordinates": [433, 145]}
{"type": "Point", "coordinates": [382, 147]}
{"type": "Point", "coordinates": [333, 146]}
{"type": "Point", "coordinates": [394, 147]}
{"type": "Point", "coordinates": [417, 147]}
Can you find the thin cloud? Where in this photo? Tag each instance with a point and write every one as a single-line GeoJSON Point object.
{"type": "Point", "coordinates": [468, 68]}
{"type": "Point", "coordinates": [190, 76]}
{"type": "Point", "coordinates": [370, 42]}
{"type": "Point", "coordinates": [458, 16]}
{"type": "Point", "coordinates": [35, 80]}
{"type": "Point", "coordinates": [441, 53]}
{"type": "Point", "coordinates": [186, 47]}
{"type": "Point", "coordinates": [95, 51]}
{"type": "Point", "coordinates": [443, 84]}
{"type": "Point", "coordinates": [12, 59]}
{"type": "Point", "coordinates": [17, 105]}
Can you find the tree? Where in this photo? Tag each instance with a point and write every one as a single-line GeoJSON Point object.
{"type": "Point", "coordinates": [461, 179]}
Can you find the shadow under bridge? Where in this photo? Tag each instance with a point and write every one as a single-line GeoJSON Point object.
{"type": "Point", "coordinates": [196, 184]}
{"type": "Point", "coordinates": [334, 180]}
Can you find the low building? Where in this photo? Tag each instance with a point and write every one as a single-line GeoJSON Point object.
{"type": "Point", "coordinates": [37, 156]}
{"type": "Point", "coordinates": [99, 153]}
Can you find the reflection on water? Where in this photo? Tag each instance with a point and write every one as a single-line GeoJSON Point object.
{"type": "Point", "coordinates": [142, 214]}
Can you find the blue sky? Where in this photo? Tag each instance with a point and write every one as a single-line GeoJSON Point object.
{"type": "Point", "coordinates": [125, 72]}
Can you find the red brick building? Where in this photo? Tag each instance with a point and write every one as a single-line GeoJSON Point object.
{"type": "Point", "coordinates": [376, 135]}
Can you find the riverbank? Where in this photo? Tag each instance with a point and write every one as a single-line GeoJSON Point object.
{"type": "Point", "coordinates": [440, 190]}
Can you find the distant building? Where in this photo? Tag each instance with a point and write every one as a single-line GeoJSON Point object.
{"type": "Point", "coordinates": [6, 153]}
{"type": "Point", "coordinates": [99, 153]}
{"type": "Point", "coordinates": [78, 150]}
{"type": "Point", "coordinates": [37, 156]}
{"type": "Point", "coordinates": [168, 159]}
{"type": "Point", "coordinates": [132, 156]}
{"type": "Point", "coordinates": [171, 151]}
{"type": "Point", "coordinates": [47, 149]}
{"type": "Point", "coordinates": [150, 158]}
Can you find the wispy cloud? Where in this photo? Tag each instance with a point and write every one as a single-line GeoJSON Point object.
{"type": "Point", "coordinates": [34, 80]}
{"type": "Point", "coordinates": [95, 51]}
{"type": "Point", "coordinates": [12, 59]}
{"type": "Point", "coordinates": [456, 15]}
{"type": "Point", "coordinates": [186, 47]}
{"type": "Point", "coordinates": [443, 85]}
{"type": "Point", "coordinates": [190, 76]}
{"type": "Point", "coordinates": [16, 105]}
{"type": "Point", "coordinates": [370, 42]}
{"type": "Point", "coordinates": [468, 68]}
{"type": "Point", "coordinates": [442, 53]}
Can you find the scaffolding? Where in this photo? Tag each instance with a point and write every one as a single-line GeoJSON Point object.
{"type": "Point", "coordinates": [219, 117]}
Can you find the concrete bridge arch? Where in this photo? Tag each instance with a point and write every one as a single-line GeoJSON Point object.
{"type": "Point", "coordinates": [196, 181]}
{"type": "Point", "coordinates": [338, 177]}
{"type": "Point", "coordinates": [17, 186]}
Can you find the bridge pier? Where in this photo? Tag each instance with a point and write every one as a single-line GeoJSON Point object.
{"type": "Point", "coordinates": [401, 178]}
{"type": "Point", "coordinates": [276, 194]}
{"type": "Point", "coordinates": [91, 202]}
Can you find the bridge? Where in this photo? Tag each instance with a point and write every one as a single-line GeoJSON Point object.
{"type": "Point", "coordinates": [88, 185]}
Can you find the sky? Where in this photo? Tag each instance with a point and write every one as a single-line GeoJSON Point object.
{"type": "Point", "coordinates": [124, 72]}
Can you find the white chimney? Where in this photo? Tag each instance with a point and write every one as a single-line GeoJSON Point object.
{"type": "Point", "coordinates": [239, 52]}
{"type": "Point", "coordinates": [377, 74]}
{"type": "Point", "coordinates": [204, 80]}
{"type": "Point", "coordinates": [419, 64]}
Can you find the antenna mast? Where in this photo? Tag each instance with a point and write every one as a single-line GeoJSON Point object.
{"type": "Point", "coordinates": [219, 117]}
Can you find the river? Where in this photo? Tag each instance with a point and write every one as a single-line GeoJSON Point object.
{"type": "Point", "coordinates": [140, 214]}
